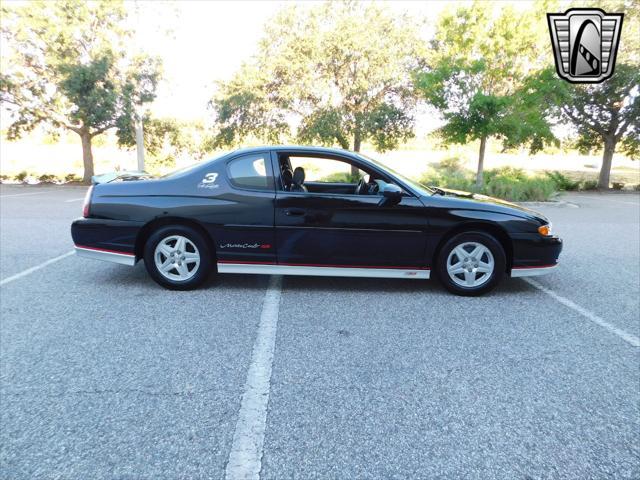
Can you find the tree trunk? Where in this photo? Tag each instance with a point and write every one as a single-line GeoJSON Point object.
{"type": "Point", "coordinates": [139, 139]}
{"type": "Point", "coordinates": [87, 157]}
{"type": "Point", "coordinates": [356, 148]}
{"type": "Point", "coordinates": [479, 175]}
{"type": "Point", "coordinates": [607, 157]}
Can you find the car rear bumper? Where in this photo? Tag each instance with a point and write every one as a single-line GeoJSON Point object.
{"type": "Point", "coordinates": [106, 255]}
{"type": "Point", "coordinates": [107, 240]}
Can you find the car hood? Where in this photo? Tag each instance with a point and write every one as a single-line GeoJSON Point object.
{"type": "Point", "coordinates": [478, 201]}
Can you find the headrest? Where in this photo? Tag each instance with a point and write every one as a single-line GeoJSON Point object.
{"type": "Point", "coordinates": [287, 176]}
{"type": "Point", "coordinates": [298, 176]}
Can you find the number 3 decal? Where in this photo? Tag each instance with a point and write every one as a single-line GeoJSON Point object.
{"type": "Point", "coordinates": [210, 178]}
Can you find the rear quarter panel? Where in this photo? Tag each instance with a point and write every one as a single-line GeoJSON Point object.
{"type": "Point", "coordinates": [229, 216]}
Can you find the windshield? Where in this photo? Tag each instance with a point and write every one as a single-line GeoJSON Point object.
{"type": "Point", "coordinates": [422, 189]}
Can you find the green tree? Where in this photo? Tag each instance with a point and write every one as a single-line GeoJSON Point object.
{"type": "Point", "coordinates": [166, 139]}
{"type": "Point", "coordinates": [479, 56]}
{"type": "Point", "coordinates": [604, 115]}
{"type": "Point", "coordinates": [68, 66]}
{"type": "Point", "coordinates": [340, 71]}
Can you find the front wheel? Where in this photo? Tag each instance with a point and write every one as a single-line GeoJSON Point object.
{"type": "Point", "coordinates": [177, 257]}
{"type": "Point", "coordinates": [471, 264]}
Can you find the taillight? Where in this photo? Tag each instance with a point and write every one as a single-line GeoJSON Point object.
{"type": "Point", "coordinates": [87, 202]}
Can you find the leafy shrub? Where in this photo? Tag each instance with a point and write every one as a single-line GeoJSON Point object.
{"type": "Point", "coordinates": [617, 185]}
{"type": "Point", "coordinates": [449, 173]}
{"type": "Point", "coordinates": [47, 178]}
{"type": "Point", "coordinates": [514, 184]}
{"type": "Point", "coordinates": [4, 178]}
{"type": "Point", "coordinates": [505, 173]}
{"type": "Point", "coordinates": [589, 185]}
{"type": "Point", "coordinates": [507, 183]}
{"type": "Point", "coordinates": [562, 181]}
{"type": "Point", "coordinates": [340, 177]}
{"type": "Point", "coordinates": [22, 176]}
{"type": "Point", "coordinates": [450, 164]}
{"type": "Point", "coordinates": [72, 177]}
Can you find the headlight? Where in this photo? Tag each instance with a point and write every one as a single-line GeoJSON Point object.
{"type": "Point", "coordinates": [545, 230]}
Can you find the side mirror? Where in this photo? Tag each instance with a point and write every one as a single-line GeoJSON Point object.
{"type": "Point", "coordinates": [391, 195]}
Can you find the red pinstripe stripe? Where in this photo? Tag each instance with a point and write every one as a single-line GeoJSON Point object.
{"type": "Point", "coordinates": [534, 266]}
{"type": "Point", "coordinates": [319, 265]}
{"type": "Point", "coordinates": [106, 250]}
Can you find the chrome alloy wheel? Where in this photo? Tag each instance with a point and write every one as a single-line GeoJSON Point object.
{"type": "Point", "coordinates": [177, 258]}
{"type": "Point", "coordinates": [470, 264]}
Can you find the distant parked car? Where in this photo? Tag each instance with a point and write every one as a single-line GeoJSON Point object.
{"type": "Point", "coordinates": [269, 210]}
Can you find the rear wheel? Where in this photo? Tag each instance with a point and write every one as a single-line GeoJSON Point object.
{"type": "Point", "coordinates": [177, 257]}
{"type": "Point", "coordinates": [471, 263]}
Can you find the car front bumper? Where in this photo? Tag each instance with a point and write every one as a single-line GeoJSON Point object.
{"type": "Point", "coordinates": [535, 255]}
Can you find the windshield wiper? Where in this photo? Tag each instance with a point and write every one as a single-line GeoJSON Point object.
{"type": "Point", "coordinates": [437, 190]}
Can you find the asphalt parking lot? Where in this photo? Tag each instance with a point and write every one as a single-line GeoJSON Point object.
{"type": "Point", "coordinates": [103, 374]}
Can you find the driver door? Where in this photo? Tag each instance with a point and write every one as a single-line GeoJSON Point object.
{"type": "Point", "coordinates": [329, 225]}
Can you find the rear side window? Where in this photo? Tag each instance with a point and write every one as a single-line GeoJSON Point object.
{"type": "Point", "coordinates": [250, 172]}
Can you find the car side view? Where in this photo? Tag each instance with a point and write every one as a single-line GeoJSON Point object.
{"type": "Point", "coordinates": [276, 210]}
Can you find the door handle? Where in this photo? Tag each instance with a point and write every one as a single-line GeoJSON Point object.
{"type": "Point", "coordinates": [294, 212]}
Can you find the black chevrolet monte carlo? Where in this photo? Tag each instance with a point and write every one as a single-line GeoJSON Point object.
{"type": "Point", "coordinates": [275, 210]}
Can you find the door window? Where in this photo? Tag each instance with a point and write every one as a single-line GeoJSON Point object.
{"type": "Point", "coordinates": [250, 172]}
{"type": "Point", "coordinates": [325, 170]}
{"type": "Point", "coordinates": [324, 175]}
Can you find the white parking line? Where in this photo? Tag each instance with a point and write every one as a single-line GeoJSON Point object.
{"type": "Point", "coordinates": [74, 200]}
{"type": "Point", "coordinates": [627, 337]}
{"type": "Point", "coordinates": [21, 194]}
{"type": "Point", "coordinates": [245, 459]}
{"type": "Point", "coordinates": [610, 200]}
{"type": "Point", "coordinates": [28, 271]}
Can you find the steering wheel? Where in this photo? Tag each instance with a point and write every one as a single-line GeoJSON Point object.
{"type": "Point", "coordinates": [362, 188]}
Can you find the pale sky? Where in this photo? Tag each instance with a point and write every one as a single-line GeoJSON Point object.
{"type": "Point", "coordinates": [205, 41]}
{"type": "Point", "coordinates": [202, 42]}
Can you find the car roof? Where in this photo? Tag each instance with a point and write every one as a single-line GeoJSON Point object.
{"type": "Point", "coordinates": [296, 148]}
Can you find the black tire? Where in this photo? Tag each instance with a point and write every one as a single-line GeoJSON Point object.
{"type": "Point", "coordinates": [490, 282]}
{"type": "Point", "coordinates": [203, 270]}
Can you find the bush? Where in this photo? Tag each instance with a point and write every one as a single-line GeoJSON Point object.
{"type": "Point", "coordinates": [455, 181]}
{"type": "Point", "coordinates": [589, 185]}
{"type": "Point", "coordinates": [508, 183]}
{"type": "Point", "coordinates": [515, 185]}
{"type": "Point", "coordinates": [506, 173]}
{"type": "Point", "coordinates": [341, 177]}
{"type": "Point", "coordinates": [562, 181]}
{"type": "Point", "coordinates": [72, 177]}
{"type": "Point", "coordinates": [47, 178]}
{"type": "Point", "coordinates": [617, 185]}
{"type": "Point", "coordinates": [4, 178]}
{"type": "Point", "coordinates": [449, 173]}
{"type": "Point", "coordinates": [451, 164]}
{"type": "Point", "coordinates": [21, 177]}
